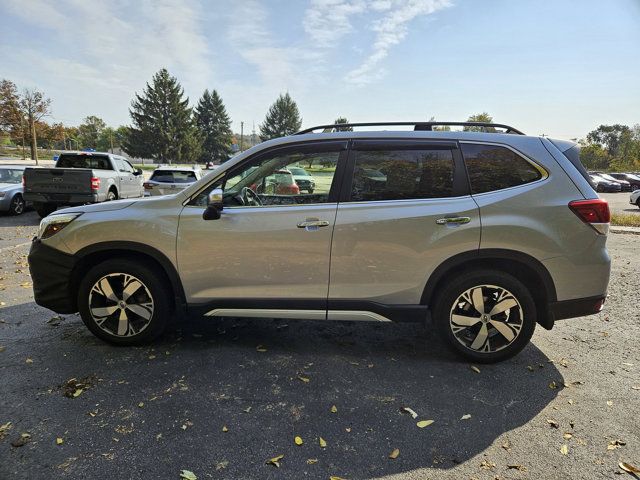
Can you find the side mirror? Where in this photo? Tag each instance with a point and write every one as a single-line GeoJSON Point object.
{"type": "Point", "coordinates": [137, 172]}
{"type": "Point", "coordinates": [214, 206]}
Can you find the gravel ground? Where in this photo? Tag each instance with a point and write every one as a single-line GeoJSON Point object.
{"type": "Point", "coordinates": [151, 412]}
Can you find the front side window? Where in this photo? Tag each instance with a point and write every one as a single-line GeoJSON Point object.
{"type": "Point", "coordinates": [277, 180]}
{"type": "Point", "coordinates": [492, 167]}
{"type": "Point", "coordinates": [402, 174]}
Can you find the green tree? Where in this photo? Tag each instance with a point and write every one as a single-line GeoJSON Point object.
{"type": "Point", "coordinates": [89, 132]}
{"type": "Point", "coordinates": [610, 137]}
{"type": "Point", "coordinates": [340, 120]}
{"type": "Point", "coordinates": [214, 127]}
{"type": "Point", "coordinates": [594, 157]}
{"type": "Point", "coordinates": [33, 106]}
{"type": "Point", "coordinates": [163, 127]}
{"type": "Point", "coordinates": [480, 117]}
{"type": "Point", "coordinates": [9, 106]}
{"type": "Point", "coordinates": [283, 118]}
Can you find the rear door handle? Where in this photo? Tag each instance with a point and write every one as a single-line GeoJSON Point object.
{"type": "Point", "coordinates": [313, 223]}
{"type": "Point", "coordinates": [454, 220]}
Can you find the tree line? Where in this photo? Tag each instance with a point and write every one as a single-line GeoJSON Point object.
{"type": "Point", "coordinates": [165, 127]}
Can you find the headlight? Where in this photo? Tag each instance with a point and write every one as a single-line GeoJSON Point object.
{"type": "Point", "coordinates": [52, 224]}
{"type": "Point", "coordinates": [2, 194]}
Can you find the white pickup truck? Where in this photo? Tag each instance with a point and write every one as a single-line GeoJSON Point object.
{"type": "Point", "coordinates": [80, 178]}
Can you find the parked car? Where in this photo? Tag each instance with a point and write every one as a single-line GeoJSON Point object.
{"type": "Point", "coordinates": [11, 194]}
{"type": "Point", "coordinates": [624, 184]}
{"type": "Point", "coordinates": [634, 199]}
{"type": "Point", "coordinates": [80, 178]}
{"type": "Point", "coordinates": [603, 185]}
{"type": "Point", "coordinates": [634, 180]}
{"type": "Point", "coordinates": [302, 178]}
{"type": "Point", "coordinates": [411, 250]}
{"type": "Point", "coordinates": [170, 180]}
{"type": "Point", "coordinates": [279, 182]}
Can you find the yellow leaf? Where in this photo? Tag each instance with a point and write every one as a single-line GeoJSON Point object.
{"type": "Point", "coordinates": [298, 441]}
{"type": "Point", "coordinates": [28, 360]}
{"type": "Point", "coordinates": [615, 444]}
{"type": "Point", "coordinates": [141, 404]}
{"type": "Point", "coordinates": [334, 409]}
{"type": "Point", "coordinates": [424, 423]}
{"type": "Point", "coordinates": [627, 467]}
{"type": "Point", "coordinates": [188, 475]}
{"type": "Point", "coordinates": [609, 403]}
{"type": "Point", "coordinates": [323, 443]}
{"type": "Point", "coordinates": [465, 417]}
{"type": "Point", "coordinates": [304, 379]}
{"type": "Point", "coordinates": [333, 477]}
{"type": "Point", "coordinates": [59, 441]}
{"type": "Point", "coordinates": [312, 461]}
{"type": "Point", "coordinates": [225, 429]}
{"type": "Point", "coordinates": [393, 455]}
{"type": "Point", "coordinates": [475, 369]}
{"type": "Point", "coordinates": [410, 412]}
{"type": "Point", "coordinates": [77, 392]}
{"type": "Point", "coordinates": [564, 449]}
{"type": "Point", "coordinates": [261, 348]}
{"type": "Point", "coordinates": [275, 460]}
{"type": "Point", "coordinates": [567, 435]}
{"type": "Point", "coordinates": [553, 385]}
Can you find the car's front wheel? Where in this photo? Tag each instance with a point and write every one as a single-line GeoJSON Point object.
{"type": "Point", "coordinates": [124, 302]}
{"type": "Point", "coordinates": [17, 205]}
{"type": "Point", "coordinates": [486, 316]}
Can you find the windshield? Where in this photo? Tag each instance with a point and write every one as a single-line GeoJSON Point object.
{"type": "Point", "coordinates": [10, 175]}
{"type": "Point", "coordinates": [299, 171]}
{"type": "Point", "coordinates": [607, 177]}
{"type": "Point", "coordinates": [95, 162]}
{"type": "Point", "coordinates": [173, 176]}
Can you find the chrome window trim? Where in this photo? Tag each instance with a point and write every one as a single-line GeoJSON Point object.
{"type": "Point", "coordinates": [404, 200]}
{"type": "Point", "coordinates": [269, 206]}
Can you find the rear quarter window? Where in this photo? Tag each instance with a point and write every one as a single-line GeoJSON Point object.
{"type": "Point", "coordinates": [491, 167]}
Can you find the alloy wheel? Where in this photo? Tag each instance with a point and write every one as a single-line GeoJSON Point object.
{"type": "Point", "coordinates": [17, 205]}
{"type": "Point", "coordinates": [486, 318]}
{"type": "Point", "coordinates": [121, 305]}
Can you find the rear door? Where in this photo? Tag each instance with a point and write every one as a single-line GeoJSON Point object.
{"type": "Point", "coordinates": [405, 208]}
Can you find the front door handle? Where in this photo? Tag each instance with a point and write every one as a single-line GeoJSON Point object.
{"type": "Point", "coordinates": [311, 223]}
{"type": "Point", "coordinates": [453, 220]}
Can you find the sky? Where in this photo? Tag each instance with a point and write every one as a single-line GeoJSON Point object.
{"type": "Point", "coordinates": [558, 68]}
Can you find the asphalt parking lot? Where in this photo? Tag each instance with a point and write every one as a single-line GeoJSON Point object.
{"type": "Point", "coordinates": [221, 397]}
{"type": "Point", "coordinates": [619, 202]}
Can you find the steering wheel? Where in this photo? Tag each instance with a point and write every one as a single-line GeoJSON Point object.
{"type": "Point", "coordinates": [248, 198]}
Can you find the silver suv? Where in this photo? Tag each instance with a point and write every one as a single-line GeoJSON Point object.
{"type": "Point", "coordinates": [483, 234]}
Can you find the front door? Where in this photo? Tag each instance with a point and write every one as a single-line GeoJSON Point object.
{"type": "Point", "coordinates": [269, 252]}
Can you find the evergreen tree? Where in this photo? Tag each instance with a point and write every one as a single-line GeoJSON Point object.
{"type": "Point", "coordinates": [163, 126]}
{"type": "Point", "coordinates": [340, 120]}
{"type": "Point", "coordinates": [214, 127]}
{"type": "Point", "coordinates": [283, 118]}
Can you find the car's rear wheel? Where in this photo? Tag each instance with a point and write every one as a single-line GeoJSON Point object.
{"type": "Point", "coordinates": [486, 316]}
{"type": "Point", "coordinates": [111, 196]}
{"type": "Point", "coordinates": [124, 302]}
{"type": "Point", "coordinates": [17, 205]}
{"type": "Point", "coordinates": [44, 209]}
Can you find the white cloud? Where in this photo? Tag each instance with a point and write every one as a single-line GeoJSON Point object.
{"type": "Point", "coordinates": [327, 21]}
{"type": "Point", "coordinates": [390, 30]}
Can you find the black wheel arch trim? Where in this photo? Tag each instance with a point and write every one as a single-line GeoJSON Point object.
{"type": "Point", "coordinates": [132, 247]}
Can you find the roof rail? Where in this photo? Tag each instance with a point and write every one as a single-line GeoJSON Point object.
{"type": "Point", "coordinates": [423, 126]}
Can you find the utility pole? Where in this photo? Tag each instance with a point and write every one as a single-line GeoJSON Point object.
{"type": "Point", "coordinates": [241, 134]}
{"type": "Point", "coordinates": [111, 140]}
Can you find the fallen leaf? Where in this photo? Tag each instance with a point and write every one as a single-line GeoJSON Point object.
{"type": "Point", "coordinates": [4, 428]}
{"type": "Point", "coordinates": [21, 441]}
{"type": "Point", "coordinates": [475, 369]}
{"type": "Point", "coordinates": [507, 446]}
{"type": "Point", "coordinates": [609, 403]}
{"type": "Point", "coordinates": [520, 468]}
{"type": "Point", "coordinates": [487, 465]}
{"type": "Point", "coordinates": [553, 385]}
{"type": "Point", "coordinates": [247, 410]}
{"type": "Point", "coordinates": [333, 477]}
{"type": "Point", "coordinates": [275, 460]}
{"type": "Point", "coordinates": [28, 360]}
{"type": "Point", "coordinates": [188, 475]}
{"type": "Point", "coordinates": [312, 461]}
{"type": "Point", "coordinates": [334, 409]}
{"type": "Point", "coordinates": [393, 455]}
{"type": "Point", "coordinates": [564, 449]}
{"type": "Point", "coordinates": [298, 441]}
{"type": "Point", "coordinates": [261, 348]}
{"type": "Point", "coordinates": [615, 444]}
{"type": "Point", "coordinates": [553, 423]}
{"type": "Point", "coordinates": [141, 404]}
{"type": "Point", "coordinates": [225, 429]}
{"type": "Point", "coordinates": [410, 412]}
{"type": "Point", "coordinates": [2, 348]}
{"type": "Point", "coordinates": [466, 416]}
{"type": "Point", "coordinates": [424, 423]}
{"type": "Point", "coordinates": [635, 387]}
{"type": "Point", "coordinates": [304, 379]}
{"type": "Point", "coordinates": [322, 442]}
{"type": "Point", "coordinates": [59, 441]}
{"type": "Point", "coordinates": [530, 368]}
{"type": "Point", "coordinates": [567, 435]}
{"type": "Point", "coordinates": [627, 467]}
{"type": "Point", "coordinates": [222, 465]}
{"type": "Point", "coordinates": [77, 392]}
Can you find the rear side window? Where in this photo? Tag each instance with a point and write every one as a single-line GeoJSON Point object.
{"type": "Point", "coordinates": [95, 162]}
{"type": "Point", "coordinates": [173, 176]}
{"type": "Point", "coordinates": [491, 167]}
{"type": "Point", "coordinates": [402, 174]}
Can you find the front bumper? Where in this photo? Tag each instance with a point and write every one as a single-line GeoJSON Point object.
{"type": "Point", "coordinates": [51, 275]}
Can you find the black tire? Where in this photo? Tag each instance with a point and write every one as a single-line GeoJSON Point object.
{"type": "Point", "coordinates": [16, 207]}
{"type": "Point", "coordinates": [151, 277]}
{"type": "Point", "coordinates": [44, 209]}
{"type": "Point", "coordinates": [446, 303]}
{"type": "Point", "coordinates": [111, 195]}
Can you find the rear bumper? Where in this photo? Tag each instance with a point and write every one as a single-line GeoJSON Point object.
{"type": "Point", "coordinates": [51, 274]}
{"type": "Point", "coordinates": [62, 198]}
{"type": "Point", "coordinates": [579, 307]}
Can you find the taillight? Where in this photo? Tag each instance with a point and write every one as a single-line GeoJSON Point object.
{"type": "Point", "coordinates": [24, 184]}
{"type": "Point", "coordinates": [595, 212]}
{"type": "Point", "coordinates": [147, 186]}
{"type": "Point", "coordinates": [95, 183]}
